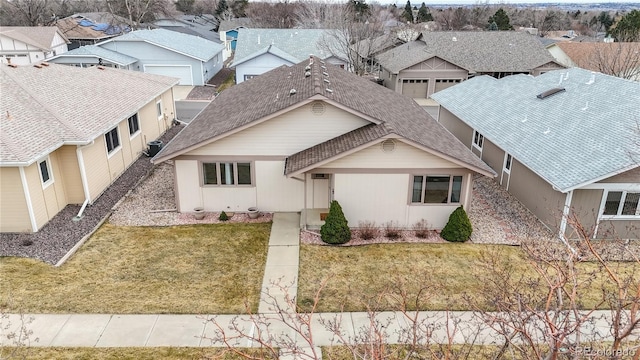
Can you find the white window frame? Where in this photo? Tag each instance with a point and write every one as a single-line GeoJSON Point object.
{"type": "Point", "coordinates": [424, 188]}
{"type": "Point", "coordinates": [159, 111]}
{"type": "Point", "coordinates": [508, 160]}
{"type": "Point", "coordinates": [618, 215]}
{"type": "Point", "coordinates": [47, 162]}
{"type": "Point", "coordinates": [218, 165]}
{"type": "Point", "coordinates": [477, 144]}
{"type": "Point", "coordinates": [137, 132]}
{"type": "Point", "coordinates": [117, 148]}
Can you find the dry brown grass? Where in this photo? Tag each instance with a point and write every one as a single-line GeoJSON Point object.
{"type": "Point", "coordinates": [133, 353]}
{"type": "Point", "coordinates": [356, 275]}
{"type": "Point", "coordinates": [145, 270]}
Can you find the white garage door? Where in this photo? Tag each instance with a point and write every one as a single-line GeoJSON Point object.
{"type": "Point", "coordinates": [182, 72]}
{"type": "Point", "coordinates": [415, 88]}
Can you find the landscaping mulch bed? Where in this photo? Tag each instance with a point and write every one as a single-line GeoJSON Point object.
{"type": "Point", "coordinates": [406, 236]}
{"type": "Point", "coordinates": [61, 233]}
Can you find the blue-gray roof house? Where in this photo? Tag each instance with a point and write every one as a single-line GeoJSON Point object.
{"type": "Point", "coordinates": [564, 143]}
{"type": "Point", "coordinates": [261, 50]}
{"type": "Point", "coordinates": [192, 59]}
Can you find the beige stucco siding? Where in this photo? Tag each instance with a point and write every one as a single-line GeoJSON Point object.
{"type": "Point", "coordinates": [536, 194]}
{"type": "Point", "coordinates": [455, 126]}
{"type": "Point", "coordinates": [68, 161]}
{"type": "Point", "coordinates": [14, 213]}
{"type": "Point", "coordinates": [631, 176]}
{"type": "Point", "coordinates": [286, 134]}
{"type": "Point", "coordinates": [402, 156]}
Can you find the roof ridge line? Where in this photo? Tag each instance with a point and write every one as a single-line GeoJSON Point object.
{"type": "Point", "coordinates": [55, 114]}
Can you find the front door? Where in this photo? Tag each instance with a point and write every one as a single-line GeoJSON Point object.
{"type": "Point", "coordinates": [321, 193]}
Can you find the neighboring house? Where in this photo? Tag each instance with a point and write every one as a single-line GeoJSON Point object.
{"type": "Point", "coordinates": [617, 59]}
{"type": "Point", "coordinates": [298, 137]}
{"type": "Point", "coordinates": [30, 44]}
{"type": "Point", "coordinates": [204, 26]}
{"type": "Point", "coordinates": [260, 50]}
{"type": "Point", "coordinates": [68, 133]}
{"type": "Point", "coordinates": [438, 60]}
{"type": "Point", "coordinates": [91, 28]}
{"type": "Point", "coordinates": [228, 32]}
{"type": "Point", "coordinates": [564, 141]}
{"type": "Point", "coordinates": [192, 59]}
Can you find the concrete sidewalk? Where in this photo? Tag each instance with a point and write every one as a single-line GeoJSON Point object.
{"type": "Point", "coordinates": [280, 281]}
{"type": "Point", "coordinates": [104, 330]}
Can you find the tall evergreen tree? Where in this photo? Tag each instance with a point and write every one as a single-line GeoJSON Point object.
{"type": "Point", "coordinates": [424, 14]}
{"type": "Point", "coordinates": [501, 19]}
{"type": "Point", "coordinates": [222, 8]}
{"type": "Point", "coordinates": [407, 14]}
{"type": "Point", "coordinates": [628, 28]}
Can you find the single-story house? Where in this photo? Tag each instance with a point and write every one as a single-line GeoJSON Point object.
{"type": "Point", "coordinates": [22, 45]}
{"type": "Point", "coordinates": [68, 133]}
{"type": "Point", "coordinates": [192, 59]}
{"type": "Point", "coordinates": [260, 50]}
{"type": "Point", "coordinates": [313, 133]}
{"type": "Point", "coordinates": [564, 141]}
{"type": "Point", "coordinates": [621, 59]}
{"type": "Point", "coordinates": [440, 59]}
{"type": "Point", "coordinates": [91, 28]}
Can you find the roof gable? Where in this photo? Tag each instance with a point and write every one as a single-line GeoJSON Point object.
{"type": "Point", "coordinates": [97, 52]}
{"type": "Point", "coordinates": [189, 45]}
{"type": "Point", "coordinates": [285, 88]}
{"type": "Point", "coordinates": [38, 36]}
{"type": "Point", "coordinates": [571, 138]}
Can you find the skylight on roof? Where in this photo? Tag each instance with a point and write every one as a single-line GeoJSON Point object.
{"type": "Point", "coordinates": [553, 91]}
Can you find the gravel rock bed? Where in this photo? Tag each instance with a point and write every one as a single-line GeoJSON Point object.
{"type": "Point", "coordinates": [61, 233]}
{"type": "Point", "coordinates": [499, 218]}
{"type": "Point", "coordinates": [152, 203]}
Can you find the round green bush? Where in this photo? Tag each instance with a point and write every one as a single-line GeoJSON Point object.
{"type": "Point", "coordinates": [336, 228]}
{"type": "Point", "coordinates": [458, 228]}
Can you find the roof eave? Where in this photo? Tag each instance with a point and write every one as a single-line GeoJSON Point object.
{"type": "Point", "coordinates": [600, 178]}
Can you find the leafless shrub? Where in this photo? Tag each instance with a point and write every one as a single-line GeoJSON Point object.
{"type": "Point", "coordinates": [367, 230]}
{"type": "Point", "coordinates": [421, 228]}
{"type": "Point", "coordinates": [392, 230]}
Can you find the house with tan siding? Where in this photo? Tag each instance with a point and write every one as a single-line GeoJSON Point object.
{"type": "Point", "coordinates": [68, 133]}
{"type": "Point", "coordinates": [296, 138]}
{"type": "Point", "coordinates": [566, 144]}
{"type": "Point", "coordinates": [437, 60]}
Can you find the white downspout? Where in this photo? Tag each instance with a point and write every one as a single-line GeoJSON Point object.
{"type": "Point", "coordinates": [563, 221]}
{"type": "Point", "coordinates": [27, 196]}
{"type": "Point", "coordinates": [83, 177]}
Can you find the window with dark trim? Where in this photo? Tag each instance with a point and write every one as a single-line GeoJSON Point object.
{"type": "Point", "coordinates": [436, 189]}
{"type": "Point", "coordinates": [227, 173]}
{"type": "Point", "coordinates": [478, 139]}
{"type": "Point", "coordinates": [622, 203]}
{"type": "Point", "coordinates": [45, 172]}
{"type": "Point", "coordinates": [134, 124]}
{"type": "Point", "coordinates": [112, 140]}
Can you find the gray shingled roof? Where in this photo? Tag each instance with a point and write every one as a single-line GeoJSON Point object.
{"type": "Point", "coordinates": [231, 24]}
{"type": "Point", "coordinates": [189, 45]}
{"type": "Point", "coordinates": [43, 109]}
{"type": "Point", "coordinates": [270, 93]}
{"type": "Point", "coordinates": [297, 43]}
{"type": "Point", "coordinates": [99, 52]}
{"type": "Point", "coordinates": [481, 51]}
{"type": "Point", "coordinates": [571, 138]}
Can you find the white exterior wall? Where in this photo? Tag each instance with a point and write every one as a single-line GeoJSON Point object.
{"type": "Point", "coordinates": [259, 65]}
{"type": "Point", "coordinates": [286, 134]}
{"type": "Point", "coordinates": [560, 56]}
{"type": "Point", "coordinates": [29, 54]}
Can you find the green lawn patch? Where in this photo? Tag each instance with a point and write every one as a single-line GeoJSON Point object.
{"type": "Point", "coordinates": [195, 269]}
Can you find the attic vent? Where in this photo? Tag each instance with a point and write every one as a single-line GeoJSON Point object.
{"type": "Point", "coordinates": [454, 39]}
{"type": "Point", "coordinates": [44, 63]}
{"type": "Point", "coordinates": [329, 91]}
{"type": "Point", "coordinates": [317, 108]}
{"type": "Point", "coordinates": [549, 92]}
{"type": "Point", "coordinates": [388, 145]}
{"type": "Point", "coordinates": [323, 67]}
{"type": "Point", "coordinates": [326, 80]}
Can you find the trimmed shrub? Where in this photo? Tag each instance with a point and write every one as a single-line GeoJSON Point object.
{"type": "Point", "coordinates": [458, 228]}
{"type": "Point", "coordinates": [367, 230]}
{"type": "Point", "coordinates": [223, 216]}
{"type": "Point", "coordinates": [336, 228]}
{"type": "Point", "coordinates": [392, 230]}
{"type": "Point", "coordinates": [421, 228]}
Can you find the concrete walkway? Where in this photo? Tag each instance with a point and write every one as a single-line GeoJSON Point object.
{"type": "Point", "coordinates": [280, 282]}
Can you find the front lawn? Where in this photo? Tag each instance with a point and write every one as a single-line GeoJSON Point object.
{"type": "Point", "coordinates": [449, 274]}
{"type": "Point", "coordinates": [199, 269]}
